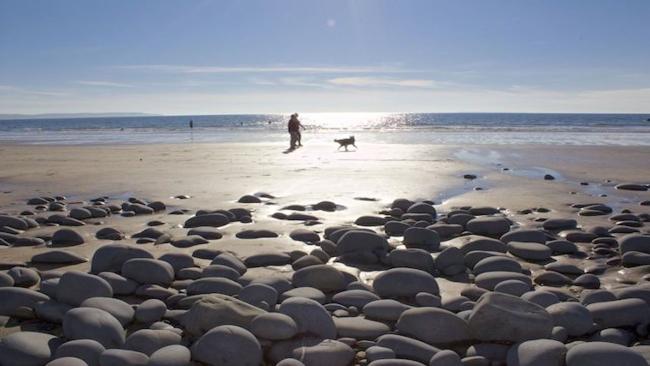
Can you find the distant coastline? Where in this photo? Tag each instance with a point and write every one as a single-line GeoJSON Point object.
{"type": "Point", "coordinates": [74, 115]}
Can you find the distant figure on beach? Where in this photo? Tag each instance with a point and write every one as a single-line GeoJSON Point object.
{"type": "Point", "coordinates": [294, 132]}
{"type": "Point", "coordinates": [191, 124]}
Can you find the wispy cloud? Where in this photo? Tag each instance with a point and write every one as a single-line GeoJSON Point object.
{"type": "Point", "coordinates": [11, 89]}
{"type": "Point", "coordinates": [381, 82]}
{"type": "Point", "coordinates": [188, 69]}
{"type": "Point", "coordinates": [103, 83]}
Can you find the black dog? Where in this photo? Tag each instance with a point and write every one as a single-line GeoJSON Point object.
{"type": "Point", "coordinates": [346, 142]}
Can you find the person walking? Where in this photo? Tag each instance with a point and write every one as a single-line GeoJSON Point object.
{"type": "Point", "coordinates": [294, 131]}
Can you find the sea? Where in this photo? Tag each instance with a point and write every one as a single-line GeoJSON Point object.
{"type": "Point", "coordinates": [402, 128]}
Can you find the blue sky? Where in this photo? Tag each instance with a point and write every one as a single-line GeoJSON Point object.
{"type": "Point", "coordinates": [256, 56]}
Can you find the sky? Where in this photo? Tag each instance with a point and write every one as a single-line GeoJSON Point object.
{"type": "Point", "coordinates": [275, 56]}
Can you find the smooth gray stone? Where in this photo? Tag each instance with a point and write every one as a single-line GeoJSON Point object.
{"type": "Point", "coordinates": [227, 345]}
{"type": "Point", "coordinates": [119, 284]}
{"type": "Point", "coordinates": [290, 362]}
{"type": "Point", "coordinates": [109, 233]}
{"type": "Point", "coordinates": [450, 261]}
{"type": "Point", "coordinates": [588, 297]}
{"type": "Point", "coordinates": [635, 242]}
{"type": "Point", "coordinates": [267, 258]}
{"type": "Point", "coordinates": [404, 282]}
{"type": "Point", "coordinates": [395, 362]}
{"type": "Point", "coordinates": [551, 278]}
{"type": "Point", "coordinates": [541, 298]}
{"type": "Point", "coordinates": [472, 243]}
{"type": "Point", "coordinates": [323, 277]}
{"type": "Point", "coordinates": [215, 310]}
{"type": "Point", "coordinates": [489, 280]}
{"type": "Point", "coordinates": [150, 311]}
{"type": "Point", "coordinates": [15, 298]}
{"type": "Point", "coordinates": [87, 350]}
{"type": "Point", "coordinates": [122, 311]}
{"type": "Point", "coordinates": [419, 322]}
{"type": "Point", "coordinates": [489, 226]}
{"type": "Point", "coordinates": [148, 341]}
{"type": "Point", "coordinates": [326, 353]}
{"type": "Point", "coordinates": [445, 358]}
{"type": "Point", "coordinates": [58, 257]}
{"type": "Point", "coordinates": [412, 258]}
{"type": "Point", "coordinates": [620, 313]}
{"type": "Point", "coordinates": [359, 328]}
{"type": "Point", "coordinates": [96, 324]}
{"type": "Point", "coordinates": [231, 261]}
{"type": "Point", "coordinates": [603, 354]}
{"type": "Point", "coordinates": [524, 235]}
{"type": "Point", "coordinates": [428, 300]}
{"type": "Point", "coordinates": [419, 237]}
{"type": "Point", "coordinates": [28, 348]}
{"type": "Point", "coordinates": [110, 257]}
{"type": "Point", "coordinates": [273, 326]}
{"type": "Point", "coordinates": [560, 224]}
{"type": "Point", "coordinates": [497, 263]}
{"type": "Point", "coordinates": [363, 242]}
{"type": "Point", "coordinates": [122, 357]}
{"type": "Point", "coordinates": [148, 271]}
{"type": "Point", "coordinates": [67, 361]}
{"type": "Point", "coordinates": [255, 293]}
{"type": "Point", "coordinates": [357, 298]}
{"type": "Point", "coordinates": [614, 335]}
{"type": "Point", "coordinates": [213, 285]}
{"type": "Point", "coordinates": [24, 277]}
{"type": "Point", "coordinates": [500, 317]}
{"type": "Point", "coordinates": [385, 310]}
{"type": "Point", "coordinates": [6, 280]}
{"type": "Point", "coordinates": [219, 270]}
{"type": "Point", "coordinates": [493, 352]}
{"type": "Point", "coordinates": [408, 348]}
{"type": "Point", "coordinates": [304, 235]}
{"type": "Point", "coordinates": [539, 352]}
{"type": "Point", "coordinates": [375, 353]}
{"type": "Point", "coordinates": [572, 316]}
{"type": "Point", "coordinates": [75, 287]}
{"type": "Point", "coordinates": [67, 237]}
{"type": "Point", "coordinates": [174, 355]}
{"type": "Point", "coordinates": [529, 251]}
{"type": "Point", "coordinates": [212, 220]}
{"type": "Point", "coordinates": [512, 287]}
{"type": "Point", "coordinates": [559, 247]}
{"type": "Point", "coordinates": [178, 261]}
{"type": "Point", "coordinates": [51, 311]}
{"type": "Point", "coordinates": [310, 316]}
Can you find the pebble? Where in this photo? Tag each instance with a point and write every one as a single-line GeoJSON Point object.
{"type": "Point", "coordinates": [148, 271]}
{"type": "Point", "coordinates": [174, 355]}
{"type": "Point", "coordinates": [212, 220]}
{"type": "Point", "coordinates": [489, 226]}
{"type": "Point", "coordinates": [412, 258]}
{"type": "Point", "coordinates": [323, 277]}
{"type": "Point", "coordinates": [310, 316]}
{"type": "Point", "coordinates": [529, 251]}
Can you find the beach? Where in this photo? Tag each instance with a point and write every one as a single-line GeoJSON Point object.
{"type": "Point", "coordinates": [292, 202]}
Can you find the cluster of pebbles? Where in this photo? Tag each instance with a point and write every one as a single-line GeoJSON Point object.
{"type": "Point", "coordinates": [365, 293]}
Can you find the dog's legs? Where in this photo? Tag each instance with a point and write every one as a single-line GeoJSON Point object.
{"type": "Point", "coordinates": [355, 146]}
{"type": "Point", "coordinates": [346, 147]}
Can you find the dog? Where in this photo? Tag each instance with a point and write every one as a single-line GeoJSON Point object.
{"type": "Point", "coordinates": [346, 142]}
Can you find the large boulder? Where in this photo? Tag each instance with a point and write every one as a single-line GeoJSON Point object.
{"type": "Point", "coordinates": [228, 345]}
{"type": "Point", "coordinates": [28, 348]}
{"type": "Point", "coordinates": [419, 322]}
{"type": "Point", "coordinates": [503, 318]}
{"type": "Point", "coordinates": [74, 287]}
{"type": "Point", "coordinates": [215, 310]}
{"type": "Point", "coordinates": [95, 324]}
{"type": "Point", "coordinates": [404, 282]}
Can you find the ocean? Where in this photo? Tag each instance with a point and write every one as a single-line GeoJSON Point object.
{"type": "Point", "coordinates": [406, 128]}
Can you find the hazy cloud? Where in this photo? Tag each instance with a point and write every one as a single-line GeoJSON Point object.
{"type": "Point", "coordinates": [103, 83]}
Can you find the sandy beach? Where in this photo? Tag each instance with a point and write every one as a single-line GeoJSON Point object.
{"type": "Point", "coordinates": [368, 189]}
